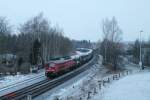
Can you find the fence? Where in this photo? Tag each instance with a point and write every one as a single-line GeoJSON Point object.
{"type": "Point", "coordinates": [100, 84]}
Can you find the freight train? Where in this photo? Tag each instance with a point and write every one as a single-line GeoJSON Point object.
{"type": "Point", "coordinates": [58, 67]}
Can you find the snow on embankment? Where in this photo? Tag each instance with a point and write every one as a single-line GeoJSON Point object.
{"type": "Point", "coordinates": [9, 80]}
{"type": "Point", "coordinates": [77, 87]}
{"type": "Point", "coordinates": [132, 87]}
{"type": "Point", "coordinates": [12, 83]}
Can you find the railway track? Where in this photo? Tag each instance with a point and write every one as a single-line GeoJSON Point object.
{"type": "Point", "coordinates": [19, 85]}
{"type": "Point", "coordinates": [45, 85]}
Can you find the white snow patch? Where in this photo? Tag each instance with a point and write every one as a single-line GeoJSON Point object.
{"type": "Point", "coordinates": [73, 90]}
{"type": "Point", "coordinates": [12, 83]}
{"type": "Point", "coordinates": [80, 87]}
{"type": "Point", "coordinates": [9, 80]}
{"type": "Point", "coordinates": [132, 87]}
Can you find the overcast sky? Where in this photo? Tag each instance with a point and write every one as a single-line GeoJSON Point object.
{"type": "Point", "coordinates": [81, 19]}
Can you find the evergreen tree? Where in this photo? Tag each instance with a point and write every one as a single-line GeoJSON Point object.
{"type": "Point", "coordinates": [35, 52]}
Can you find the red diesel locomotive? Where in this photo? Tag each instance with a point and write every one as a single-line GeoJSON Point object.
{"type": "Point", "coordinates": [58, 67]}
{"type": "Point", "coordinates": [54, 68]}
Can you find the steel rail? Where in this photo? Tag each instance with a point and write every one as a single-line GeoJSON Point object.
{"type": "Point", "coordinates": [44, 86]}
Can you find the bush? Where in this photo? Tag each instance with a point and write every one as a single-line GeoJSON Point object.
{"type": "Point", "coordinates": [25, 68]}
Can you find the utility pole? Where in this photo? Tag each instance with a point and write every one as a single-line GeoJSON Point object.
{"type": "Point", "coordinates": [140, 62]}
{"type": "Point", "coordinates": [105, 50]}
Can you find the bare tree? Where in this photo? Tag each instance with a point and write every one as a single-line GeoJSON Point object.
{"type": "Point", "coordinates": [111, 46]}
{"type": "Point", "coordinates": [52, 40]}
{"type": "Point", "coordinates": [5, 31]}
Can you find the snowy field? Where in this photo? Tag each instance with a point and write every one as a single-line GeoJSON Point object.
{"type": "Point", "coordinates": [132, 87]}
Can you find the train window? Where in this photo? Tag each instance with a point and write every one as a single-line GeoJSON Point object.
{"type": "Point", "coordinates": [51, 64]}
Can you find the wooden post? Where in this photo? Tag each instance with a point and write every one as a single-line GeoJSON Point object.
{"type": "Point", "coordinates": [89, 95]}
{"type": "Point", "coordinates": [95, 91]}
{"type": "Point", "coordinates": [108, 80]}
{"type": "Point", "coordinates": [115, 77]}
{"type": "Point", "coordinates": [100, 83]}
{"type": "Point", "coordinates": [56, 98]}
{"type": "Point", "coordinates": [100, 86]}
{"type": "Point", "coordinates": [119, 75]}
{"type": "Point", "coordinates": [73, 86]}
{"type": "Point", "coordinates": [127, 72]}
{"type": "Point", "coordinates": [103, 82]}
{"type": "Point", "coordinates": [80, 98]}
{"type": "Point", "coordinates": [29, 97]}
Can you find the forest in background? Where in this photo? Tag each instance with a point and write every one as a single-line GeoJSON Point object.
{"type": "Point", "coordinates": [36, 41]}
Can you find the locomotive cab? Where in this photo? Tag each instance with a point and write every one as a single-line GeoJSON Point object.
{"type": "Point", "coordinates": [50, 69]}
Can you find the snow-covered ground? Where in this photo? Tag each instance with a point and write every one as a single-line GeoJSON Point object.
{"type": "Point", "coordinates": [132, 87]}
{"type": "Point", "coordinates": [76, 89]}
{"type": "Point", "coordinates": [12, 83]}
{"type": "Point", "coordinates": [9, 80]}
{"type": "Point", "coordinates": [86, 85]}
{"type": "Point", "coordinates": [78, 86]}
